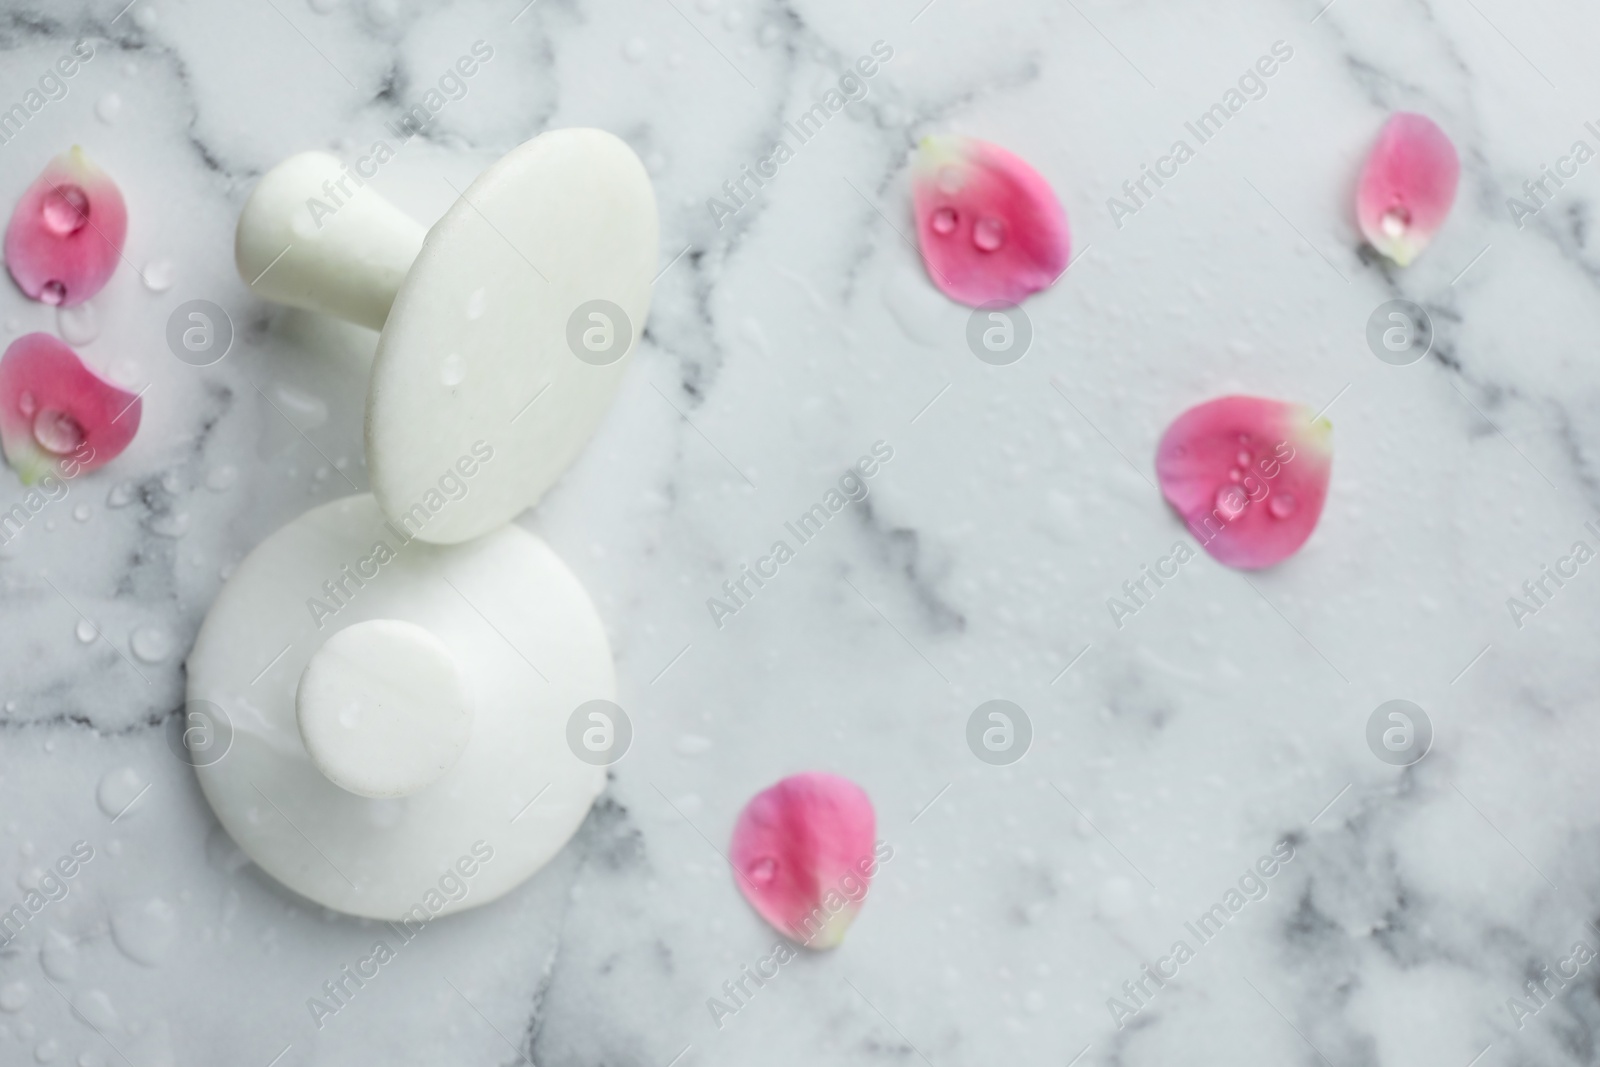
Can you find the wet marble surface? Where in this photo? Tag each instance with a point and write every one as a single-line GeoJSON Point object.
{"type": "Point", "coordinates": [1225, 719]}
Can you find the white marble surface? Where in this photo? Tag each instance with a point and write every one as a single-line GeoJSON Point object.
{"type": "Point", "coordinates": [1222, 719]}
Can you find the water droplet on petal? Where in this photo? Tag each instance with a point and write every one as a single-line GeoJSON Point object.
{"type": "Point", "coordinates": [1231, 501]}
{"type": "Point", "coordinates": [1281, 506]}
{"type": "Point", "coordinates": [1243, 458]}
{"type": "Point", "coordinates": [65, 209]}
{"type": "Point", "coordinates": [763, 870]}
{"type": "Point", "coordinates": [944, 221]}
{"type": "Point", "coordinates": [57, 432]}
{"type": "Point", "coordinates": [52, 293]}
{"type": "Point", "coordinates": [26, 404]}
{"type": "Point", "coordinates": [989, 234]}
{"type": "Point", "coordinates": [1395, 221]}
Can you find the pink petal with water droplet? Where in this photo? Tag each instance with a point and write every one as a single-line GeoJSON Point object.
{"type": "Point", "coordinates": [1249, 476]}
{"type": "Point", "coordinates": [56, 414]}
{"type": "Point", "coordinates": [66, 233]}
{"type": "Point", "coordinates": [803, 855]}
{"type": "Point", "coordinates": [1407, 186]}
{"type": "Point", "coordinates": [990, 228]}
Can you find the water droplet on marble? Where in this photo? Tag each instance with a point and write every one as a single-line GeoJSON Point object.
{"type": "Point", "coordinates": [59, 956]}
{"type": "Point", "coordinates": [159, 275]}
{"type": "Point", "coordinates": [692, 745]}
{"type": "Point", "coordinates": [219, 479]}
{"type": "Point", "coordinates": [107, 108]}
{"type": "Point", "coordinates": [306, 410]}
{"type": "Point", "coordinates": [85, 631]}
{"type": "Point", "coordinates": [120, 496]}
{"type": "Point", "coordinates": [989, 234]}
{"type": "Point", "coordinates": [944, 221]}
{"type": "Point", "coordinates": [47, 1050]}
{"type": "Point", "coordinates": [118, 788]}
{"type": "Point", "coordinates": [151, 644]}
{"type": "Point", "coordinates": [15, 995]}
{"type": "Point", "coordinates": [173, 524]}
{"type": "Point", "coordinates": [96, 1009]}
{"type": "Point", "coordinates": [1282, 505]}
{"type": "Point", "coordinates": [81, 513]}
{"type": "Point", "coordinates": [144, 930]}
{"type": "Point", "coordinates": [453, 370]}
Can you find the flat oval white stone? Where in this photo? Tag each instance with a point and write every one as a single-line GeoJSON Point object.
{"type": "Point", "coordinates": [479, 350]}
{"type": "Point", "coordinates": [525, 636]}
{"type": "Point", "coordinates": [383, 708]}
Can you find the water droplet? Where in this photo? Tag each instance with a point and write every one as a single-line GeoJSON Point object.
{"type": "Point", "coordinates": [173, 524]}
{"type": "Point", "coordinates": [85, 631]}
{"type": "Point", "coordinates": [81, 513]}
{"type": "Point", "coordinates": [118, 789]}
{"type": "Point", "coordinates": [1231, 501]}
{"type": "Point", "coordinates": [452, 371]}
{"type": "Point", "coordinates": [989, 234]}
{"type": "Point", "coordinates": [159, 274]}
{"type": "Point", "coordinates": [763, 870]}
{"type": "Point", "coordinates": [944, 220]}
{"type": "Point", "coordinates": [78, 325]}
{"type": "Point", "coordinates": [305, 410]}
{"type": "Point", "coordinates": [1236, 475]}
{"type": "Point", "coordinates": [145, 930]}
{"type": "Point", "coordinates": [107, 108]}
{"type": "Point", "coordinates": [65, 209]}
{"type": "Point", "coordinates": [52, 293]}
{"type": "Point", "coordinates": [1395, 221]}
{"type": "Point", "coordinates": [14, 995]}
{"type": "Point", "coordinates": [59, 956]}
{"type": "Point", "coordinates": [221, 478]}
{"type": "Point", "coordinates": [1281, 505]}
{"type": "Point", "coordinates": [151, 644]}
{"type": "Point", "coordinates": [1243, 458]}
{"type": "Point", "coordinates": [57, 432]}
{"type": "Point", "coordinates": [95, 1008]}
{"type": "Point", "coordinates": [476, 303]}
{"type": "Point", "coordinates": [120, 496]}
{"type": "Point", "coordinates": [635, 49]}
{"type": "Point", "coordinates": [27, 404]}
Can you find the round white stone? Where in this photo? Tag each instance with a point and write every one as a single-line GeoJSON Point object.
{"type": "Point", "coordinates": [523, 633]}
{"type": "Point", "coordinates": [475, 358]}
{"type": "Point", "coordinates": [383, 708]}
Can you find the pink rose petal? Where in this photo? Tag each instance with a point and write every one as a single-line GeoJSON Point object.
{"type": "Point", "coordinates": [56, 414]}
{"type": "Point", "coordinates": [990, 228]}
{"type": "Point", "coordinates": [1407, 186]}
{"type": "Point", "coordinates": [803, 852]}
{"type": "Point", "coordinates": [66, 232]}
{"type": "Point", "coordinates": [1248, 476]}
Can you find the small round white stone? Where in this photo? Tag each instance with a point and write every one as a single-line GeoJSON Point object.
{"type": "Point", "coordinates": [383, 708]}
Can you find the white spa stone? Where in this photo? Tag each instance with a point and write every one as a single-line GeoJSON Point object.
{"type": "Point", "coordinates": [340, 606]}
{"type": "Point", "coordinates": [383, 708]}
{"type": "Point", "coordinates": [510, 323]}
